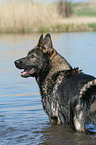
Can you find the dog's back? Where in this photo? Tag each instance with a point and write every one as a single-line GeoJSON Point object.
{"type": "Point", "coordinates": [77, 93]}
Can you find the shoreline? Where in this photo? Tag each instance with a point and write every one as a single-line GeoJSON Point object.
{"type": "Point", "coordinates": [55, 28]}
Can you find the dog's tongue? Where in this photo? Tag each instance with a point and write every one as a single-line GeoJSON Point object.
{"type": "Point", "coordinates": [27, 72]}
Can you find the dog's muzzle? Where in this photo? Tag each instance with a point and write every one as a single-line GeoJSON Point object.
{"type": "Point", "coordinates": [28, 72]}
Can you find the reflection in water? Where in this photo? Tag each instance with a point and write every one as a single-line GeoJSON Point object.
{"type": "Point", "coordinates": [64, 135]}
{"type": "Point", "coordinates": [22, 119]}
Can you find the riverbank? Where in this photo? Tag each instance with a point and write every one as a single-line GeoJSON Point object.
{"type": "Point", "coordinates": [22, 17]}
{"type": "Point", "coordinates": [73, 24]}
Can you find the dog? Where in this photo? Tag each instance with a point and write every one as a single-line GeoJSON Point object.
{"type": "Point", "coordinates": [68, 95]}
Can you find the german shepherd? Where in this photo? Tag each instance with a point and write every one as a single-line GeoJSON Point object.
{"type": "Point", "coordinates": [68, 95]}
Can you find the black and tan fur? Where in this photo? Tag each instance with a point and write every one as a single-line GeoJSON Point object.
{"type": "Point", "coordinates": [68, 95]}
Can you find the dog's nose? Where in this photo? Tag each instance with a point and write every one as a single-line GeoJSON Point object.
{"type": "Point", "coordinates": [16, 62]}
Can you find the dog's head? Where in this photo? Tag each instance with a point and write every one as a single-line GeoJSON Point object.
{"type": "Point", "coordinates": [38, 59]}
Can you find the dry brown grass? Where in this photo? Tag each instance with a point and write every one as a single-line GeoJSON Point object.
{"type": "Point", "coordinates": [26, 17]}
{"type": "Point", "coordinates": [22, 16]}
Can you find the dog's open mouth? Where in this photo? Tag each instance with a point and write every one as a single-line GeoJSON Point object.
{"type": "Point", "coordinates": [28, 72]}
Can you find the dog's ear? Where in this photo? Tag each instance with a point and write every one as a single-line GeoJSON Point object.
{"type": "Point", "coordinates": [47, 46]}
{"type": "Point", "coordinates": [40, 40]}
{"type": "Point", "coordinates": [47, 42]}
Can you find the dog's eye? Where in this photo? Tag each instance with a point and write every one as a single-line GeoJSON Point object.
{"type": "Point", "coordinates": [32, 56]}
{"type": "Point", "coordinates": [44, 47]}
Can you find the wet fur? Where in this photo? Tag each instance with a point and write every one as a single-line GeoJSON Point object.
{"type": "Point", "coordinates": [68, 95]}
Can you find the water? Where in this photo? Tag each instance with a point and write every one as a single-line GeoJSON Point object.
{"type": "Point", "coordinates": [22, 119]}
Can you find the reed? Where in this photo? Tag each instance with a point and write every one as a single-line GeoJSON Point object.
{"type": "Point", "coordinates": [19, 16]}
{"type": "Point", "coordinates": [22, 16]}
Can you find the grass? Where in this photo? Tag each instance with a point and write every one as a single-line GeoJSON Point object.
{"type": "Point", "coordinates": [86, 12]}
{"type": "Point", "coordinates": [84, 8]}
{"type": "Point", "coordinates": [27, 17]}
{"type": "Point", "coordinates": [92, 25]}
{"type": "Point", "coordinates": [43, 29]}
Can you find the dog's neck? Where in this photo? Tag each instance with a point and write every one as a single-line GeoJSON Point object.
{"type": "Point", "coordinates": [58, 64]}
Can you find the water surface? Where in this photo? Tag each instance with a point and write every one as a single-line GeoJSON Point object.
{"type": "Point", "coordinates": [22, 119]}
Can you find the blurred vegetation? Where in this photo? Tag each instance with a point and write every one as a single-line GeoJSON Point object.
{"type": "Point", "coordinates": [93, 26]}
{"type": "Point", "coordinates": [28, 16]}
{"type": "Point", "coordinates": [65, 8]}
{"type": "Point", "coordinates": [84, 8]}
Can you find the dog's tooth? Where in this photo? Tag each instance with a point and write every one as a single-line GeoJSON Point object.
{"type": "Point", "coordinates": [32, 71]}
{"type": "Point", "coordinates": [25, 73]}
